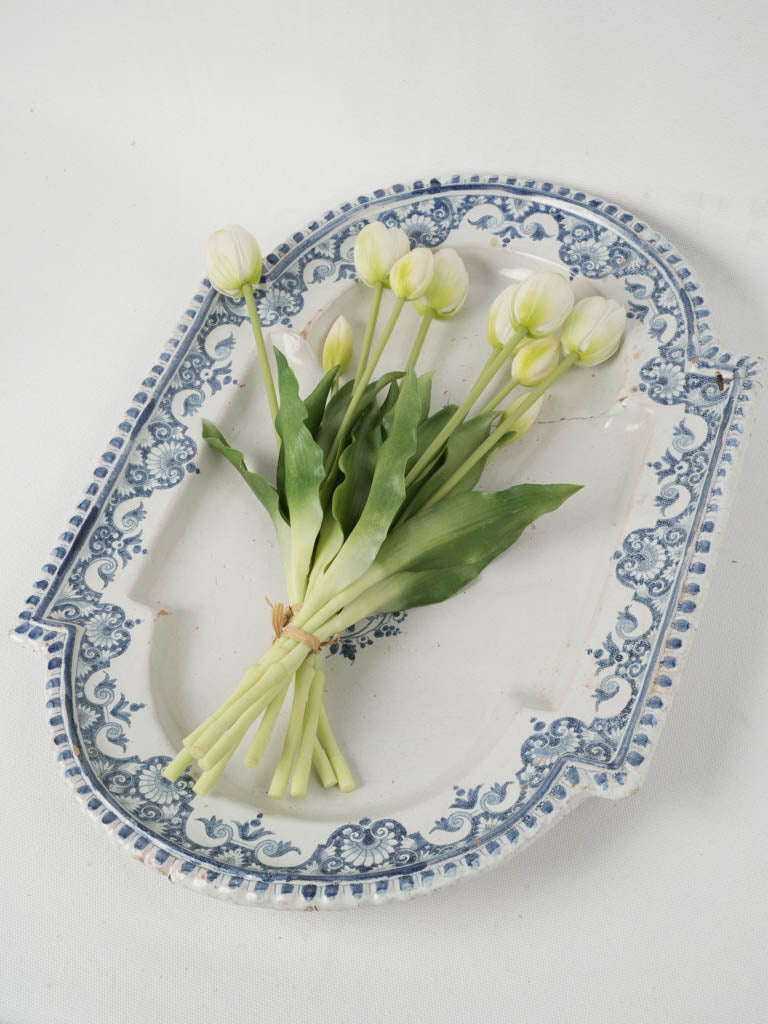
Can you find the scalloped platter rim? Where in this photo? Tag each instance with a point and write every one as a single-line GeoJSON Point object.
{"type": "Point", "coordinates": [137, 584]}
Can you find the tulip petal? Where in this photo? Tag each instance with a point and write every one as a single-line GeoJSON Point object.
{"type": "Point", "coordinates": [411, 275]}
{"type": "Point", "coordinates": [541, 303]}
{"type": "Point", "coordinates": [594, 329]}
{"type": "Point", "coordinates": [232, 259]}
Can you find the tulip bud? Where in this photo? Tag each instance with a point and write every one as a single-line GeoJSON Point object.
{"type": "Point", "coordinates": [449, 287]}
{"type": "Point", "coordinates": [593, 330]}
{"type": "Point", "coordinates": [233, 258]}
{"type": "Point", "coordinates": [410, 277]}
{"type": "Point", "coordinates": [339, 344]}
{"type": "Point", "coordinates": [535, 360]}
{"type": "Point", "coordinates": [377, 248]}
{"type": "Point", "coordinates": [541, 303]}
{"type": "Point", "coordinates": [520, 426]}
{"type": "Point", "coordinates": [498, 326]}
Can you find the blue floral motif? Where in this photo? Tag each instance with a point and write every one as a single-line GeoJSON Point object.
{"type": "Point", "coordinates": [155, 788]}
{"type": "Point", "coordinates": [657, 564]}
{"type": "Point", "coordinates": [477, 814]}
{"type": "Point", "coordinates": [252, 841]}
{"type": "Point", "coordinates": [587, 255]}
{"type": "Point", "coordinates": [648, 561]}
{"type": "Point", "coordinates": [363, 847]}
{"type": "Point", "coordinates": [426, 223]}
{"type": "Point", "coordinates": [362, 635]}
{"type": "Point", "coordinates": [683, 436]}
{"type": "Point", "coordinates": [106, 636]}
{"type": "Point", "coordinates": [278, 305]}
{"type": "Point", "coordinates": [665, 379]}
{"type": "Point", "coordinates": [166, 462]}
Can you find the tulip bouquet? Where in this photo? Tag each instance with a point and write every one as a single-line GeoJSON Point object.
{"type": "Point", "coordinates": [373, 503]}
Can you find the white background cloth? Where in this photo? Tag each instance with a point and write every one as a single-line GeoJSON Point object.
{"type": "Point", "coordinates": [129, 132]}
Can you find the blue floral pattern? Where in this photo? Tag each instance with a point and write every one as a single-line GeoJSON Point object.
{"type": "Point", "coordinates": [363, 634]}
{"type": "Point", "coordinates": [659, 565]}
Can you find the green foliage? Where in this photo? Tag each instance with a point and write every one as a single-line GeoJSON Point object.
{"type": "Point", "coordinates": [303, 475]}
{"type": "Point", "coordinates": [425, 393]}
{"type": "Point", "coordinates": [266, 494]}
{"type": "Point", "coordinates": [467, 529]}
{"type": "Point", "coordinates": [385, 496]}
{"type": "Point", "coordinates": [388, 408]}
{"type": "Point", "coordinates": [435, 554]}
{"type": "Point", "coordinates": [465, 440]}
{"type": "Point", "coordinates": [337, 406]}
{"type": "Point", "coordinates": [317, 399]}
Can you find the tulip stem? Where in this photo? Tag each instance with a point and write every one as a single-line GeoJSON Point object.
{"type": "Point", "coordinates": [284, 766]}
{"type": "Point", "coordinates": [370, 327]}
{"type": "Point", "coordinates": [263, 734]}
{"type": "Point", "coordinates": [323, 766]}
{"type": "Point", "coordinates": [179, 764]}
{"type": "Point", "coordinates": [261, 348]}
{"type": "Point", "coordinates": [360, 386]}
{"type": "Point", "coordinates": [380, 345]}
{"type": "Point", "coordinates": [335, 756]}
{"type": "Point", "coordinates": [426, 320]}
{"type": "Point", "coordinates": [500, 396]}
{"type": "Point", "coordinates": [488, 372]}
{"type": "Point", "coordinates": [303, 764]}
{"type": "Point", "coordinates": [505, 427]}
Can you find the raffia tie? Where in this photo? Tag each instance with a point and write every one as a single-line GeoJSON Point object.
{"type": "Point", "coordinates": [282, 615]}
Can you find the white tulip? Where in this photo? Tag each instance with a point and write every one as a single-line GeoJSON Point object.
{"type": "Point", "coordinates": [377, 249]}
{"type": "Point", "coordinates": [410, 277]}
{"type": "Point", "coordinates": [541, 303]}
{"type": "Point", "coordinates": [593, 330]}
{"type": "Point", "coordinates": [339, 345]}
{"type": "Point", "coordinates": [520, 426]}
{"type": "Point", "coordinates": [498, 326]}
{"type": "Point", "coordinates": [233, 258]}
{"type": "Point", "coordinates": [449, 287]}
{"type": "Point", "coordinates": [535, 360]}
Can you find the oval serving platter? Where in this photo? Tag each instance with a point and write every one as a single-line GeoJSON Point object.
{"type": "Point", "coordinates": [471, 726]}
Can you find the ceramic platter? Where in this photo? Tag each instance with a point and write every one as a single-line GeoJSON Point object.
{"type": "Point", "coordinates": [474, 725]}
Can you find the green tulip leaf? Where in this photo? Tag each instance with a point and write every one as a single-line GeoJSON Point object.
{"type": "Point", "coordinates": [465, 440]}
{"type": "Point", "coordinates": [468, 528]}
{"type": "Point", "coordinates": [266, 494]}
{"type": "Point", "coordinates": [317, 400]}
{"type": "Point", "coordinates": [385, 497]}
{"type": "Point", "coordinates": [303, 475]}
{"type": "Point", "coordinates": [358, 464]}
{"type": "Point", "coordinates": [337, 406]}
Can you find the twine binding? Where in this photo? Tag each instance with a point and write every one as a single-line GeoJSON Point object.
{"type": "Point", "coordinates": [282, 616]}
